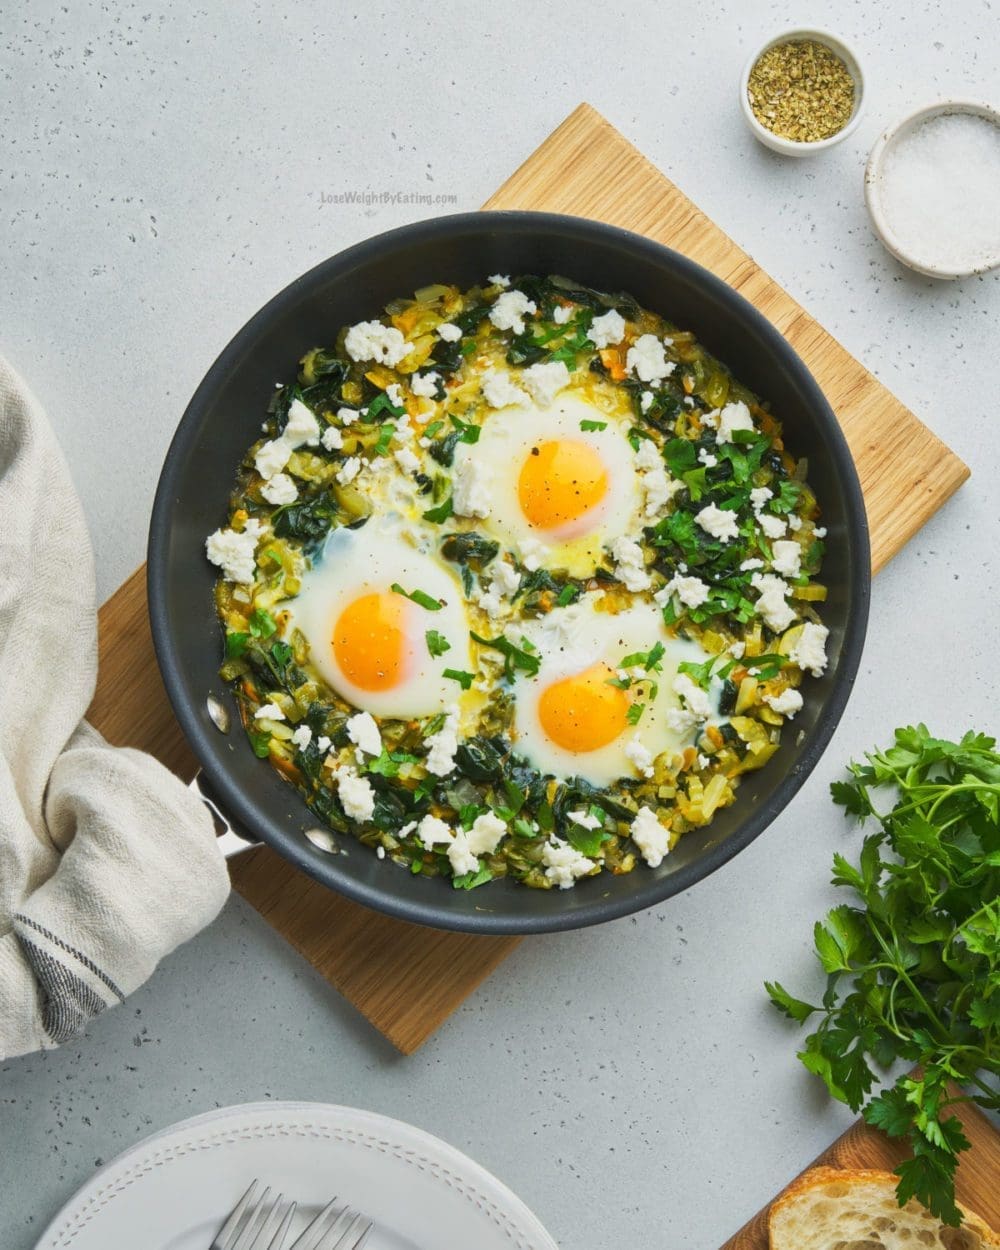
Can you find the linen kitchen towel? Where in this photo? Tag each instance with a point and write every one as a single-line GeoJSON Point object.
{"type": "Point", "coordinates": [107, 861]}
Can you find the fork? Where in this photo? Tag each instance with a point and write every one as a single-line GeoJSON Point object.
{"type": "Point", "coordinates": [256, 1223]}
{"type": "Point", "coordinates": [335, 1228]}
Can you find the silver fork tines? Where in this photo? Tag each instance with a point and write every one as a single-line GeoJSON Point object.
{"type": "Point", "coordinates": [335, 1228]}
{"type": "Point", "coordinates": [257, 1223]}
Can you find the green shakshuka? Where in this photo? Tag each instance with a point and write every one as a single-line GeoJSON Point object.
{"type": "Point", "coordinates": [519, 581]}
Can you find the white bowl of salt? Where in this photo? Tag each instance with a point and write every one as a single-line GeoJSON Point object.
{"type": "Point", "coordinates": [932, 186]}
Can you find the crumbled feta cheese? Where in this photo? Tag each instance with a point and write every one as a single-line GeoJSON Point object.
{"type": "Point", "coordinates": [647, 360]}
{"type": "Point", "coordinates": [347, 416]}
{"type": "Point", "coordinates": [748, 565]}
{"type": "Point", "coordinates": [650, 836]}
{"type": "Point", "coordinates": [482, 839]}
{"type": "Point", "coordinates": [371, 340]}
{"type": "Point", "coordinates": [771, 602]}
{"type": "Point", "coordinates": [394, 393]}
{"type": "Point", "coordinates": [717, 522]}
{"type": "Point", "coordinates": [498, 279]}
{"type": "Point", "coordinates": [759, 497]}
{"type": "Point", "coordinates": [407, 460]}
{"type": "Point", "coordinates": [707, 459]}
{"type": "Point", "coordinates": [645, 401]}
{"type": "Point", "coordinates": [733, 417]}
{"type": "Point", "coordinates": [564, 864]}
{"type": "Point", "coordinates": [794, 522]}
{"type": "Point", "coordinates": [441, 747]}
{"type": "Point", "coordinates": [504, 581]}
{"type": "Point", "coordinates": [773, 526]}
{"type": "Point", "coordinates": [233, 551]}
{"type": "Point", "coordinates": [809, 652]}
{"type": "Point", "coordinates": [608, 330]}
{"type": "Point", "coordinates": [681, 721]}
{"type": "Point", "coordinates": [269, 711]}
{"type": "Point", "coordinates": [323, 744]}
{"type": "Point", "coordinates": [691, 591]}
{"type": "Point", "coordinates": [425, 384]}
{"type": "Point", "coordinates": [545, 380]}
{"type": "Point", "coordinates": [509, 310]}
{"type": "Point", "coordinates": [710, 418]}
{"type": "Point", "coordinates": [500, 391]}
{"type": "Point", "coordinates": [448, 332]}
{"type": "Point", "coordinates": [332, 439]}
{"type": "Point", "coordinates": [364, 733]}
{"type": "Point", "coordinates": [562, 313]}
{"type": "Point", "coordinates": [630, 567]}
{"type": "Point", "coordinates": [470, 495]}
{"type": "Point", "coordinates": [302, 736]}
{"type": "Point", "coordinates": [694, 697]}
{"type": "Point", "coordinates": [640, 755]}
{"type": "Point", "coordinates": [585, 819]}
{"type": "Point", "coordinates": [349, 470]}
{"type": "Point", "coordinates": [533, 552]}
{"type": "Point", "coordinates": [703, 761]}
{"type": "Point", "coordinates": [357, 797]}
{"type": "Point", "coordinates": [272, 457]}
{"type": "Point", "coordinates": [431, 831]}
{"type": "Point", "coordinates": [787, 703]}
{"type": "Point", "coordinates": [737, 648]}
{"type": "Point", "coordinates": [820, 531]}
{"type": "Point", "coordinates": [280, 490]}
{"type": "Point", "coordinates": [380, 852]}
{"type": "Point", "coordinates": [787, 558]}
{"type": "Point", "coordinates": [301, 427]}
{"type": "Point", "coordinates": [659, 489]}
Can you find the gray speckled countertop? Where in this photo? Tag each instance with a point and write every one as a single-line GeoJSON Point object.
{"type": "Point", "coordinates": [164, 171]}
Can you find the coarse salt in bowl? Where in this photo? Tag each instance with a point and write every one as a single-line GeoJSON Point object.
{"type": "Point", "coordinates": [932, 186]}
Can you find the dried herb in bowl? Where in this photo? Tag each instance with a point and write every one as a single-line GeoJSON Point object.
{"type": "Point", "coordinates": [801, 90]}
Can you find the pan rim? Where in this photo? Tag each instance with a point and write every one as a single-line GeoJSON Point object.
{"type": "Point", "coordinates": [652, 890]}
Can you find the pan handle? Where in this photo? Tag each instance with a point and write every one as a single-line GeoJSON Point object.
{"type": "Point", "coordinates": [230, 841]}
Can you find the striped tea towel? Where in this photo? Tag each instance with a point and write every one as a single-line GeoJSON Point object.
{"type": "Point", "coordinates": [107, 862]}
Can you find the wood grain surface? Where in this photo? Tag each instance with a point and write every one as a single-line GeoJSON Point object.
{"type": "Point", "coordinates": [977, 1184]}
{"type": "Point", "coordinates": [585, 168]}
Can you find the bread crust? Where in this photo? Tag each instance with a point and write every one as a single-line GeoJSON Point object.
{"type": "Point", "coordinates": [819, 1177]}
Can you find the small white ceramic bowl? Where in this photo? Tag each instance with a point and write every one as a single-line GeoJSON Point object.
{"type": "Point", "coordinates": [792, 147]}
{"type": "Point", "coordinates": [874, 181]}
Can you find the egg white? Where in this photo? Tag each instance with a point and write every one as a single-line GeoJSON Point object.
{"type": "Point", "coordinates": [353, 563]}
{"type": "Point", "coordinates": [506, 440]}
{"type": "Point", "coordinates": [571, 640]}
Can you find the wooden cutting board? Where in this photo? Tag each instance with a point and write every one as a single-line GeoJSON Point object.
{"type": "Point", "coordinates": [977, 1184]}
{"type": "Point", "coordinates": [588, 169]}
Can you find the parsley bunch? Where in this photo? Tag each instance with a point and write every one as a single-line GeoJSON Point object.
{"type": "Point", "coordinates": [914, 966]}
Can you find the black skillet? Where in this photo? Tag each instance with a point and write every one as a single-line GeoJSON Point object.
{"type": "Point", "coordinates": [224, 417]}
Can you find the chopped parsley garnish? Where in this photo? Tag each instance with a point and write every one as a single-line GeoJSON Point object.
{"type": "Point", "coordinates": [469, 880]}
{"type": "Point", "coordinates": [419, 597]}
{"type": "Point", "coordinates": [463, 678]}
{"type": "Point", "coordinates": [433, 428]}
{"type": "Point", "coordinates": [440, 513]}
{"type": "Point", "coordinates": [634, 713]}
{"type": "Point", "coordinates": [590, 426]}
{"type": "Point", "coordinates": [262, 624]}
{"type": "Point", "coordinates": [387, 764]}
{"type": "Point", "coordinates": [385, 437]}
{"type": "Point", "coordinates": [649, 660]}
{"type": "Point", "coordinates": [437, 644]}
{"type": "Point", "coordinates": [382, 403]}
{"type": "Point", "coordinates": [568, 594]}
{"type": "Point", "coordinates": [514, 656]}
{"type": "Point", "coordinates": [466, 430]}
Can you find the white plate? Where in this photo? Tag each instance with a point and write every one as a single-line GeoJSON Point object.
{"type": "Point", "coordinates": [175, 1189]}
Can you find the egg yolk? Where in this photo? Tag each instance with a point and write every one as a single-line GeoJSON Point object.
{"type": "Point", "coordinates": [560, 481]}
{"type": "Point", "coordinates": [583, 712]}
{"type": "Point", "coordinates": [369, 641]}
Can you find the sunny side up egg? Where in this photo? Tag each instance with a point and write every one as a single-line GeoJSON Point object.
{"type": "Point", "coordinates": [560, 482]}
{"type": "Point", "coordinates": [368, 641]}
{"type": "Point", "coordinates": [572, 717]}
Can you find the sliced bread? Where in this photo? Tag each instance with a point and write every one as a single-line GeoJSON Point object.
{"type": "Point", "coordinates": [833, 1209]}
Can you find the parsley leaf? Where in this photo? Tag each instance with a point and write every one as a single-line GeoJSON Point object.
{"type": "Point", "coordinates": [437, 644]}
{"type": "Point", "coordinates": [463, 678]}
{"type": "Point", "coordinates": [913, 964]}
{"type": "Point", "coordinates": [590, 426]}
{"type": "Point", "coordinates": [514, 657]}
{"type": "Point", "coordinates": [440, 513]}
{"type": "Point", "coordinates": [419, 597]}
